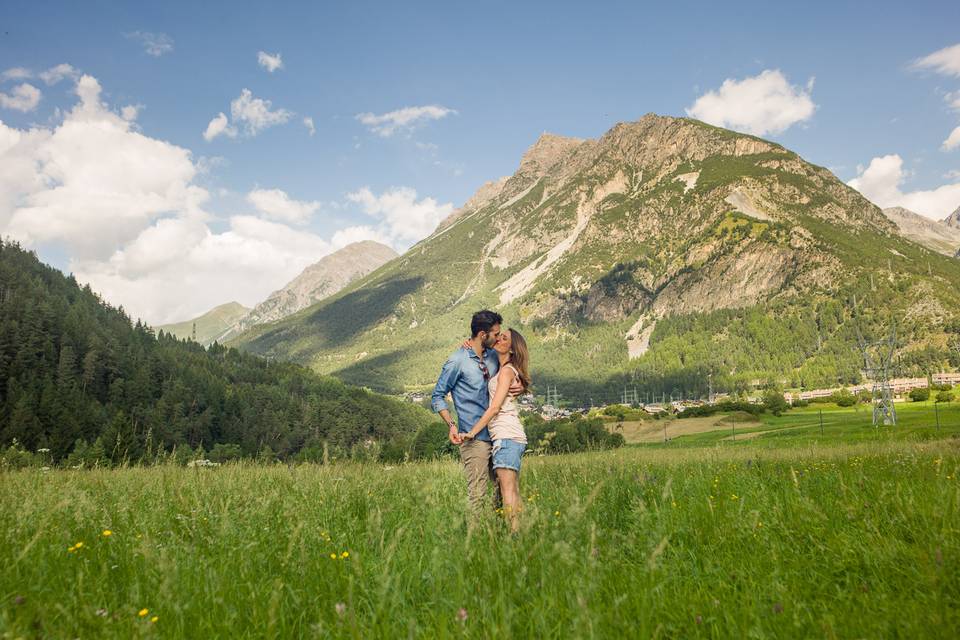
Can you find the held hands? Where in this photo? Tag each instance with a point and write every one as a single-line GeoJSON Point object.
{"type": "Point", "coordinates": [454, 436]}
{"type": "Point", "coordinates": [470, 435]}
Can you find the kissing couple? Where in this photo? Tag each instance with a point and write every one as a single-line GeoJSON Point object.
{"type": "Point", "coordinates": [485, 376]}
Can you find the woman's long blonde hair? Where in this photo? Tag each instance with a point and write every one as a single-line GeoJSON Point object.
{"type": "Point", "coordinates": [520, 358]}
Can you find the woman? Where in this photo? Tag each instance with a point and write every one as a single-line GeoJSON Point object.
{"type": "Point", "coordinates": [503, 419]}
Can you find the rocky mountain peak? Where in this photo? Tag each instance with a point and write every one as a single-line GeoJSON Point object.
{"type": "Point", "coordinates": [953, 220]}
{"type": "Point", "coordinates": [321, 279]}
{"type": "Point", "coordinates": [546, 152]}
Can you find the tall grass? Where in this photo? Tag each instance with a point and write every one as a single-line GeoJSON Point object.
{"type": "Point", "coordinates": [854, 540]}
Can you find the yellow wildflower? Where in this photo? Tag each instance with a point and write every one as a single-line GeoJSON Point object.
{"type": "Point", "coordinates": [345, 554]}
{"type": "Point", "coordinates": [333, 556]}
{"type": "Point", "coordinates": [143, 612]}
{"type": "Point", "coordinates": [154, 619]}
{"type": "Point", "coordinates": [107, 533]}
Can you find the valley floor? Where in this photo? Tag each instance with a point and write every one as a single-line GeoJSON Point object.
{"type": "Point", "coordinates": [814, 540]}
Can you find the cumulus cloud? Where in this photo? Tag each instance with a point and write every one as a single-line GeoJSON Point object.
{"type": "Point", "coordinates": [359, 233]}
{"type": "Point", "coordinates": [178, 268]}
{"type": "Point", "coordinates": [247, 114]}
{"type": "Point", "coordinates": [880, 183]}
{"type": "Point", "coordinates": [126, 210]}
{"type": "Point", "coordinates": [759, 105]}
{"type": "Point", "coordinates": [308, 123]}
{"type": "Point", "coordinates": [269, 61]}
{"type": "Point", "coordinates": [219, 126]}
{"type": "Point", "coordinates": [254, 114]}
{"type": "Point", "coordinates": [130, 112]}
{"type": "Point", "coordinates": [92, 182]}
{"type": "Point", "coordinates": [23, 97]}
{"type": "Point", "coordinates": [53, 75]}
{"type": "Point", "coordinates": [403, 218]}
{"type": "Point", "coordinates": [406, 119]}
{"type": "Point", "coordinates": [275, 203]}
{"type": "Point", "coordinates": [16, 73]}
{"type": "Point", "coordinates": [952, 141]}
{"type": "Point", "coordinates": [945, 61]}
{"type": "Point", "coordinates": [155, 44]}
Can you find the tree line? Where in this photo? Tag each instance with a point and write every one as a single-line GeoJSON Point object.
{"type": "Point", "coordinates": [79, 377]}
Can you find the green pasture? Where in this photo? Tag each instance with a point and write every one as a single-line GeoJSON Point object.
{"type": "Point", "coordinates": [828, 539]}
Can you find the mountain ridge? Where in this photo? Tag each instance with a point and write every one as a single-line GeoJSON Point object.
{"type": "Point", "coordinates": [607, 251]}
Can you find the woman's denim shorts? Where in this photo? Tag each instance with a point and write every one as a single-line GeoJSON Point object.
{"type": "Point", "coordinates": [507, 453]}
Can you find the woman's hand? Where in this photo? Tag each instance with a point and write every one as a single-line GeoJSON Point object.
{"type": "Point", "coordinates": [470, 435]}
{"type": "Point", "coordinates": [467, 344]}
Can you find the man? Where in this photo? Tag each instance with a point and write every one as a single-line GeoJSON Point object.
{"type": "Point", "coordinates": [465, 375]}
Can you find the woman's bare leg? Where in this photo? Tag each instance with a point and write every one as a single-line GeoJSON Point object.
{"type": "Point", "coordinates": [510, 489]}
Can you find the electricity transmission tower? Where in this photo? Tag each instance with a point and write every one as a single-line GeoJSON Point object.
{"type": "Point", "coordinates": [553, 398]}
{"type": "Point", "coordinates": [877, 359]}
{"type": "Point", "coordinates": [630, 396]}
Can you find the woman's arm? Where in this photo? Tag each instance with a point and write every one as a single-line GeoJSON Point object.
{"type": "Point", "coordinates": [504, 379]}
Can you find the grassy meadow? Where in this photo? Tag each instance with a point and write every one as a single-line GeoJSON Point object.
{"type": "Point", "coordinates": [839, 540]}
{"type": "Point", "coordinates": [797, 427]}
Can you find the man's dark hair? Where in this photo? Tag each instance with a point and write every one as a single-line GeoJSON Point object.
{"type": "Point", "coordinates": [484, 321]}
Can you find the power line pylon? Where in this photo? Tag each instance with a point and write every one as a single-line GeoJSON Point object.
{"type": "Point", "coordinates": [877, 366]}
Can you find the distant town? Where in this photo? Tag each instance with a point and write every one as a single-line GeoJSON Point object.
{"type": "Point", "coordinates": [529, 403]}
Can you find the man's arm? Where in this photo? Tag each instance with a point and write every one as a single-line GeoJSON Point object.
{"type": "Point", "coordinates": [504, 379]}
{"type": "Point", "coordinates": [449, 375]}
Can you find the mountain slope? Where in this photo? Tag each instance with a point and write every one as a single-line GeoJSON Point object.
{"type": "Point", "coordinates": [663, 251]}
{"type": "Point", "coordinates": [933, 234]}
{"type": "Point", "coordinates": [210, 325]}
{"type": "Point", "coordinates": [953, 220]}
{"type": "Point", "coordinates": [322, 279]}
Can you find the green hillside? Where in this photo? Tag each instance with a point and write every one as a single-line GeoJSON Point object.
{"type": "Point", "coordinates": [703, 250]}
{"type": "Point", "coordinates": [209, 326]}
{"type": "Point", "coordinates": [78, 378]}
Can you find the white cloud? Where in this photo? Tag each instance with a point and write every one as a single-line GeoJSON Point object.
{"type": "Point", "coordinates": [219, 126]}
{"type": "Point", "coordinates": [759, 105]}
{"type": "Point", "coordinates": [308, 123]}
{"type": "Point", "coordinates": [53, 75]}
{"type": "Point", "coordinates": [130, 112]}
{"type": "Point", "coordinates": [880, 183]}
{"type": "Point", "coordinates": [178, 268]}
{"type": "Point", "coordinates": [155, 44]}
{"type": "Point", "coordinates": [126, 210]}
{"type": "Point", "coordinates": [945, 61]}
{"type": "Point", "coordinates": [359, 233]}
{"type": "Point", "coordinates": [249, 114]}
{"type": "Point", "coordinates": [92, 182]}
{"type": "Point", "coordinates": [952, 141]}
{"type": "Point", "coordinates": [269, 61]}
{"type": "Point", "coordinates": [254, 114]}
{"type": "Point", "coordinates": [404, 219]}
{"type": "Point", "coordinates": [406, 119]}
{"type": "Point", "coordinates": [277, 204]}
{"type": "Point", "coordinates": [23, 97]}
{"type": "Point", "coordinates": [953, 99]}
{"type": "Point", "coordinates": [16, 73]}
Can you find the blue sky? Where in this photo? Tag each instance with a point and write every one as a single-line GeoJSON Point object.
{"type": "Point", "coordinates": [503, 73]}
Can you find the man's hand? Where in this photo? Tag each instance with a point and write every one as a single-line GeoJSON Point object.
{"type": "Point", "coordinates": [454, 436]}
{"type": "Point", "coordinates": [516, 389]}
